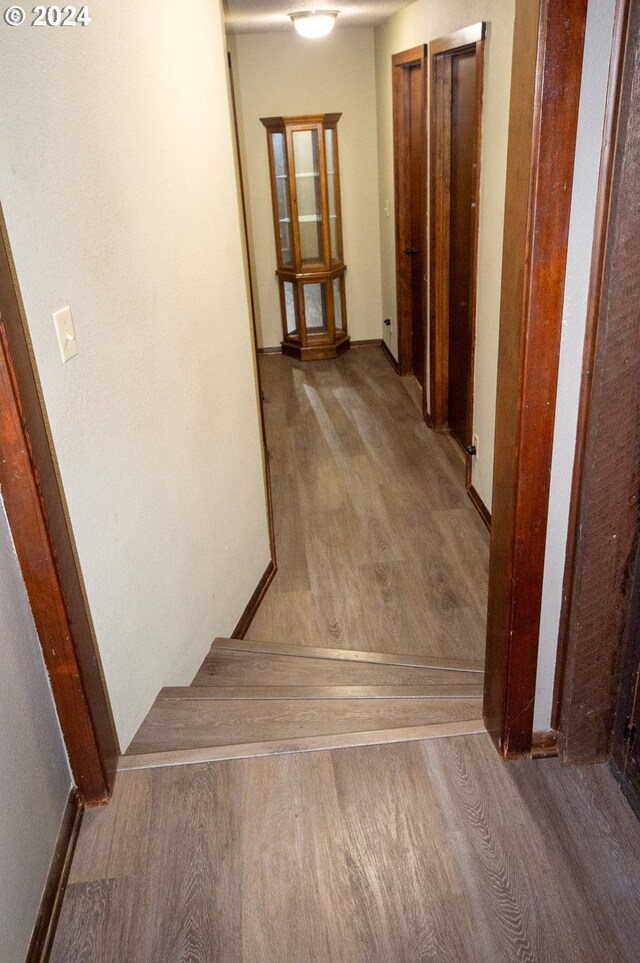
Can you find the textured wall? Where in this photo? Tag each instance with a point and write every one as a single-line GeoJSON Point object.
{"type": "Point", "coordinates": [281, 74]}
{"type": "Point", "coordinates": [34, 774]}
{"type": "Point", "coordinates": [418, 23]}
{"type": "Point", "coordinates": [118, 186]}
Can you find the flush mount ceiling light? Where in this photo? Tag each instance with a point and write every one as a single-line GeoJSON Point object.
{"type": "Point", "coordinates": [314, 23]}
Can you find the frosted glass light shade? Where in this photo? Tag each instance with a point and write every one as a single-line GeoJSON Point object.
{"type": "Point", "coordinates": [314, 23]}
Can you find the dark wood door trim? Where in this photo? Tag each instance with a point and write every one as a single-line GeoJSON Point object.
{"type": "Point", "coordinates": [36, 510]}
{"type": "Point", "coordinates": [545, 90]}
{"type": "Point", "coordinates": [400, 63]}
{"type": "Point", "coordinates": [604, 524]}
{"type": "Point", "coordinates": [441, 51]}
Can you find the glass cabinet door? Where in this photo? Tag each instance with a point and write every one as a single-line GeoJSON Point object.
{"type": "Point", "coordinates": [338, 311]}
{"type": "Point", "coordinates": [290, 308]}
{"type": "Point", "coordinates": [307, 175]}
{"type": "Point", "coordinates": [315, 308]}
{"type": "Point", "coordinates": [330, 153]}
{"type": "Point", "coordinates": [281, 175]}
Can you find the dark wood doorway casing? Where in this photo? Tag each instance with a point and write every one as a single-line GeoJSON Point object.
{"type": "Point", "coordinates": [453, 259]}
{"type": "Point", "coordinates": [599, 612]}
{"type": "Point", "coordinates": [409, 70]}
{"type": "Point", "coordinates": [545, 91]}
{"type": "Point", "coordinates": [34, 503]}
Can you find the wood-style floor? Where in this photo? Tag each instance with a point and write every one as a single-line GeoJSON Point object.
{"type": "Point", "coordinates": [379, 547]}
{"type": "Point", "coordinates": [392, 854]}
{"type": "Point", "coordinates": [429, 850]}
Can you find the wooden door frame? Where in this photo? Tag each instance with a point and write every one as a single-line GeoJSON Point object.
{"type": "Point", "coordinates": [545, 92]}
{"type": "Point", "coordinates": [604, 522]}
{"type": "Point", "coordinates": [400, 63]}
{"type": "Point", "coordinates": [36, 510]}
{"type": "Point", "coordinates": [441, 51]}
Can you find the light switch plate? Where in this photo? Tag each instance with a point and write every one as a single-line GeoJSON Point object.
{"type": "Point", "coordinates": [65, 333]}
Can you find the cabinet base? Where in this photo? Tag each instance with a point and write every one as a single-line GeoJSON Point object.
{"type": "Point", "coordinates": [316, 352]}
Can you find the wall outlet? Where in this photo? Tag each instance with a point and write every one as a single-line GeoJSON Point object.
{"type": "Point", "coordinates": [476, 445]}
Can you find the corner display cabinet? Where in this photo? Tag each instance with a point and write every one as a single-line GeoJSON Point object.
{"type": "Point", "coordinates": [305, 186]}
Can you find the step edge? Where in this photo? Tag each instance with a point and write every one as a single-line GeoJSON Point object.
{"type": "Point", "coordinates": [350, 740]}
{"type": "Point", "coordinates": [348, 655]}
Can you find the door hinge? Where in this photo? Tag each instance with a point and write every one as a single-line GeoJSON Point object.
{"type": "Point", "coordinates": [629, 731]}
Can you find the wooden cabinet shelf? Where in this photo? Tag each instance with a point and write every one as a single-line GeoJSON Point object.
{"type": "Point", "coordinates": [305, 188]}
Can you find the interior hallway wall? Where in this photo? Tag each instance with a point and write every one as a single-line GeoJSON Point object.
{"type": "Point", "coordinates": [119, 192]}
{"type": "Point", "coordinates": [282, 74]}
{"type": "Point", "coordinates": [34, 774]}
{"type": "Point", "coordinates": [419, 23]}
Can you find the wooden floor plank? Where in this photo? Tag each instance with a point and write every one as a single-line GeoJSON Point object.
{"type": "Point", "coordinates": [222, 668]}
{"type": "Point", "coordinates": [322, 692]}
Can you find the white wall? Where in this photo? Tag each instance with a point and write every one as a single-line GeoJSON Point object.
{"type": "Point", "coordinates": [118, 186]}
{"type": "Point", "coordinates": [282, 74]}
{"type": "Point", "coordinates": [34, 774]}
{"type": "Point", "coordinates": [419, 23]}
{"type": "Point", "coordinates": [590, 125]}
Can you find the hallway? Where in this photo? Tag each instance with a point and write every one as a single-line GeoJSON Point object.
{"type": "Point", "coordinates": [380, 588]}
{"type": "Point", "coordinates": [389, 854]}
{"type": "Point", "coordinates": [426, 850]}
{"type": "Point", "coordinates": [379, 548]}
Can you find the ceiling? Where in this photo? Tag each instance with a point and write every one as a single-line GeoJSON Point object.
{"type": "Point", "coordinates": [248, 16]}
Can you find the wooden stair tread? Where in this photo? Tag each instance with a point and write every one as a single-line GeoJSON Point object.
{"type": "Point", "coordinates": [348, 655]}
{"type": "Point", "coordinates": [231, 667]}
{"type": "Point", "coordinates": [191, 724]}
{"type": "Point", "coordinates": [327, 692]}
{"type": "Point", "coordinates": [198, 756]}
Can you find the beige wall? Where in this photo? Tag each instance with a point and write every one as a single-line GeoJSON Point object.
{"type": "Point", "coordinates": [419, 23]}
{"type": "Point", "coordinates": [119, 193]}
{"type": "Point", "coordinates": [280, 74]}
{"type": "Point", "coordinates": [34, 773]}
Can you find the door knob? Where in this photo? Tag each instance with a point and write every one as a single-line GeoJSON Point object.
{"type": "Point", "coordinates": [411, 250]}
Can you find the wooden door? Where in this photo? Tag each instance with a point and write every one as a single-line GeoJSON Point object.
{"type": "Point", "coordinates": [409, 119]}
{"type": "Point", "coordinates": [456, 110]}
{"type": "Point", "coordinates": [415, 251]}
{"type": "Point", "coordinates": [463, 132]}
